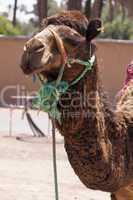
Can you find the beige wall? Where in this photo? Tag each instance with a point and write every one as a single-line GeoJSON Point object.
{"type": "Point", "coordinates": [113, 57]}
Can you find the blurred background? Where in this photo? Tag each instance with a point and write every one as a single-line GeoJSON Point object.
{"type": "Point", "coordinates": [23, 17]}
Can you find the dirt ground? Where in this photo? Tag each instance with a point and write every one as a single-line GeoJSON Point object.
{"type": "Point", "coordinates": [26, 172]}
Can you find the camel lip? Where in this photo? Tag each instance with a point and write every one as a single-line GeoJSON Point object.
{"type": "Point", "coordinates": [46, 75]}
{"type": "Point", "coordinates": [49, 75]}
{"type": "Point", "coordinates": [29, 71]}
{"type": "Point", "coordinates": [26, 71]}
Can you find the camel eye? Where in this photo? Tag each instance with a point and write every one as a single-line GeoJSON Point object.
{"type": "Point", "coordinates": [55, 51]}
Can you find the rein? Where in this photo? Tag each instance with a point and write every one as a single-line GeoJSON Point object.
{"type": "Point", "coordinates": [88, 67]}
{"type": "Point", "coordinates": [69, 61]}
{"type": "Point", "coordinates": [50, 92]}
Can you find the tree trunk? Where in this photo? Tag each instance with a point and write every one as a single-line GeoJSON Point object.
{"type": "Point", "coordinates": [97, 8]}
{"type": "Point", "coordinates": [111, 10]}
{"type": "Point", "coordinates": [123, 11]}
{"type": "Point", "coordinates": [14, 13]}
{"type": "Point", "coordinates": [42, 9]}
{"type": "Point", "coordinates": [74, 5]}
{"type": "Point", "coordinates": [127, 4]}
{"type": "Point", "coordinates": [88, 9]}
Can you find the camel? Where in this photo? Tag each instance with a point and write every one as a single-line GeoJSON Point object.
{"type": "Point", "coordinates": [98, 139]}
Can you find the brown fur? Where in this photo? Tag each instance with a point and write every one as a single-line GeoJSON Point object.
{"type": "Point", "coordinates": [99, 148]}
{"type": "Point", "coordinates": [73, 19]}
{"type": "Point", "coordinates": [98, 140]}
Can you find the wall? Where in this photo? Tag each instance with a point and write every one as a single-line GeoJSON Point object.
{"type": "Point", "coordinates": [113, 56]}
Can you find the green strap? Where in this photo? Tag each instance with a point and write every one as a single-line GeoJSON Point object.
{"type": "Point", "coordinates": [88, 67]}
{"type": "Point", "coordinates": [48, 97]}
{"type": "Point", "coordinates": [78, 78]}
{"type": "Point", "coordinates": [50, 92]}
{"type": "Point", "coordinates": [54, 160]}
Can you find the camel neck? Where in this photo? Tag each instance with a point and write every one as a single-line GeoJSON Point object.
{"type": "Point", "coordinates": [83, 108]}
{"type": "Point", "coordinates": [86, 127]}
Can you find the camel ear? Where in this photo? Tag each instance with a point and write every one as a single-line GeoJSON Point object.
{"type": "Point", "coordinates": [94, 29]}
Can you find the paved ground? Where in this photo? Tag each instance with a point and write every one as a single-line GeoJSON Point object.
{"type": "Point", "coordinates": [26, 166]}
{"type": "Point", "coordinates": [18, 124]}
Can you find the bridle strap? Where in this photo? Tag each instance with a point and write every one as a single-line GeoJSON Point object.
{"type": "Point", "coordinates": [62, 51]}
{"type": "Point", "coordinates": [88, 64]}
{"type": "Point", "coordinates": [88, 67]}
{"type": "Point", "coordinates": [53, 90]}
{"type": "Point", "coordinates": [60, 45]}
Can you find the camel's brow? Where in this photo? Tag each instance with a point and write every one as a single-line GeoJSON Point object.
{"type": "Point", "coordinates": [43, 33]}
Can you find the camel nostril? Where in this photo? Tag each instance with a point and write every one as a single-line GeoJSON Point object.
{"type": "Point", "coordinates": [39, 48]}
{"type": "Point", "coordinates": [31, 58]}
{"type": "Point", "coordinates": [36, 46]}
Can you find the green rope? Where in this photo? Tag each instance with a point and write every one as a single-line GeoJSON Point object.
{"type": "Point", "coordinates": [48, 98]}
{"type": "Point", "coordinates": [54, 161]}
{"type": "Point", "coordinates": [50, 92]}
{"type": "Point", "coordinates": [88, 66]}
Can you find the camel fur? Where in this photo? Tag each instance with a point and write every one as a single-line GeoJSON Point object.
{"type": "Point", "coordinates": [98, 139]}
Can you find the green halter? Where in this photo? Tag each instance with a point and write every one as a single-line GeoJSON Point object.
{"type": "Point", "coordinates": [50, 92]}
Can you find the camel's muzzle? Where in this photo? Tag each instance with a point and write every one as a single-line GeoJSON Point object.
{"type": "Point", "coordinates": [33, 52]}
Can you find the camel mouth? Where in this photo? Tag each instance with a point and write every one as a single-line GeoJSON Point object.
{"type": "Point", "coordinates": [27, 70]}
{"type": "Point", "coordinates": [50, 75]}
{"type": "Point", "coordinates": [47, 75]}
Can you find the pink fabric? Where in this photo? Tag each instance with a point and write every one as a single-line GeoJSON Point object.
{"type": "Point", "coordinates": [128, 78]}
{"type": "Point", "coordinates": [129, 73]}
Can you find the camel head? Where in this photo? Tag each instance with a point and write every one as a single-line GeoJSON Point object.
{"type": "Point", "coordinates": [46, 51]}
